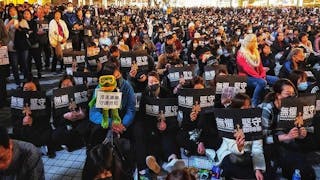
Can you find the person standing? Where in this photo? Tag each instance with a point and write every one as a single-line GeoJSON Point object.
{"type": "Point", "coordinates": [4, 69]}
{"type": "Point", "coordinates": [58, 35]}
{"type": "Point", "coordinates": [11, 25]}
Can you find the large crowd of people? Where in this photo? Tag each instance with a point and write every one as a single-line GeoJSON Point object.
{"type": "Point", "coordinates": [276, 49]}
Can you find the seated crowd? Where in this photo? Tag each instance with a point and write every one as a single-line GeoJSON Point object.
{"type": "Point", "coordinates": [277, 50]}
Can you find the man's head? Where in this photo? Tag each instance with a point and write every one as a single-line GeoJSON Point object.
{"type": "Point", "coordinates": [5, 149]}
{"type": "Point", "coordinates": [111, 68]}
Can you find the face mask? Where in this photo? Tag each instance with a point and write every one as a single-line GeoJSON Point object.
{"type": "Point", "coordinates": [70, 9]}
{"type": "Point", "coordinates": [15, 17]}
{"type": "Point", "coordinates": [133, 34]}
{"type": "Point", "coordinates": [238, 33]}
{"type": "Point", "coordinates": [154, 87]}
{"type": "Point", "coordinates": [32, 11]}
{"type": "Point", "coordinates": [250, 31]}
{"type": "Point", "coordinates": [218, 38]}
{"type": "Point", "coordinates": [220, 51]}
{"type": "Point", "coordinates": [88, 15]}
{"type": "Point", "coordinates": [126, 35]}
{"type": "Point", "coordinates": [303, 86]}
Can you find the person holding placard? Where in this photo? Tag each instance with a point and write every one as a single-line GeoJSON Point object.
{"type": "Point", "coordinates": [127, 110]}
{"type": "Point", "coordinates": [283, 148]}
{"type": "Point", "coordinates": [32, 127]}
{"type": "Point", "coordinates": [240, 158]}
{"type": "Point", "coordinates": [4, 69]}
{"type": "Point", "coordinates": [198, 133]}
{"type": "Point", "coordinates": [71, 128]}
{"type": "Point", "coordinates": [250, 65]}
{"type": "Point", "coordinates": [155, 136]}
{"type": "Point", "coordinates": [168, 59]}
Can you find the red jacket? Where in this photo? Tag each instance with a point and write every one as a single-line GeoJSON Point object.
{"type": "Point", "coordinates": [245, 69]}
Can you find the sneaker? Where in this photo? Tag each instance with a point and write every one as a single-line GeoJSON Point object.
{"type": "Point", "coordinates": [145, 176]}
{"type": "Point", "coordinates": [211, 154]}
{"type": "Point", "coordinates": [174, 164]}
{"type": "Point", "coordinates": [152, 164]}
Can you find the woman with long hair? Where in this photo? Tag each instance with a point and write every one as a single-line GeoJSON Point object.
{"type": "Point", "coordinates": [250, 65]}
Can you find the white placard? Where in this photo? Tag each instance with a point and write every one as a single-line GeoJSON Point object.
{"type": "Point", "coordinates": [4, 58]}
{"type": "Point", "coordinates": [67, 60]}
{"type": "Point", "coordinates": [103, 59]}
{"type": "Point", "coordinates": [125, 62]}
{"type": "Point", "coordinates": [80, 59]}
{"type": "Point", "coordinates": [108, 100]}
{"type": "Point", "coordinates": [69, 71]}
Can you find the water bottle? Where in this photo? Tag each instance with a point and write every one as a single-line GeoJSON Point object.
{"type": "Point", "coordinates": [296, 175]}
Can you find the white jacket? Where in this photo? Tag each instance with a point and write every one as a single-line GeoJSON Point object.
{"type": "Point", "coordinates": [229, 146]}
{"type": "Point", "coordinates": [54, 36]}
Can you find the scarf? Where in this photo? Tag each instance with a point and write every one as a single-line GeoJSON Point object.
{"type": "Point", "coordinates": [252, 59]}
{"type": "Point", "coordinates": [60, 29]}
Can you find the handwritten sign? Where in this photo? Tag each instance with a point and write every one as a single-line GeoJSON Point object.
{"type": "Point", "coordinates": [108, 100]}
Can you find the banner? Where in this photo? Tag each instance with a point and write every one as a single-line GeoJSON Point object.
{"type": "Point", "coordinates": [229, 121]}
{"type": "Point", "coordinates": [70, 98]}
{"type": "Point", "coordinates": [175, 73]}
{"type": "Point", "coordinates": [224, 81]}
{"type": "Point", "coordinates": [108, 100]}
{"type": "Point", "coordinates": [167, 106]}
{"type": "Point", "coordinates": [4, 57]}
{"type": "Point", "coordinates": [33, 101]}
{"type": "Point", "coordinates": [188, 97]}
{"type": "Point", "coordinates": [297, 112]}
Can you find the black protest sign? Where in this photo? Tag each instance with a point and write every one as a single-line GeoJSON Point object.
{"type": "Point", "coordinates": [188, 97]}
{"type": "Point", "coordinates": [69, 99]}
{"type": "Point", "coordinates": [296, 112]}
{"type": "Point", "coordinates": [34, 101]}
{"type": "Point", "coordinates": [134, 59]}
{"type": "Point", "coordinates": [90, 79]}
{"type": "Point", "coordinates": [247, 121]}
{"type": "Point", "coordinates": [175, 73]}
{"type": "Point", "coordinates": [225, 81]}
{"type": "Point", "coordinates": [92, 62]}
{"type": "Point", "coordinates": [80, 59]}
{"type": "Point", "coordinates": [209, 74]}
{"type": "Point", "coordinates": [167, 106]}
{"type": "Point", "coordinates": [74, 58]}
